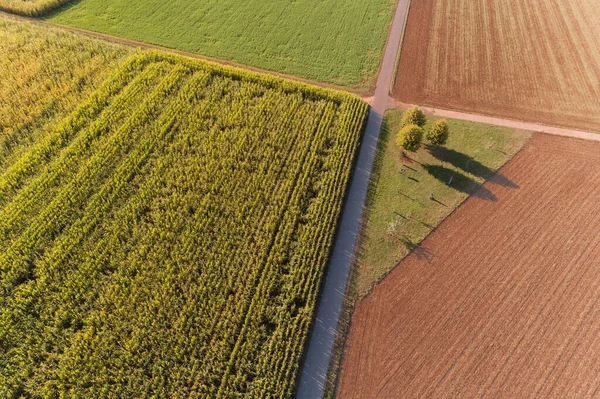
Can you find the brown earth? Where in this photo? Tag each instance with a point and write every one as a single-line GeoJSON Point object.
{"type": "Point", "coordinates": [532, 60]}
{"type": "Point", "coordinates": [502, 300]}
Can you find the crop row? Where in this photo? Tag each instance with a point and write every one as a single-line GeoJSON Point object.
{"type": "Point", "coordinates": [45, 73]}
{"type": "Point", "coordinates": [31, 8]}
{"type": "Point", "coordinates": [169, 237]}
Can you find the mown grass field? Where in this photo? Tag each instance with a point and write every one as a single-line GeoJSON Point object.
{"type": "Point", "coordinates": [326, 40]}
{"type": "Point", "coordinates": [400, 212]}
{"type": "Point", "coordinates": [167, 237]}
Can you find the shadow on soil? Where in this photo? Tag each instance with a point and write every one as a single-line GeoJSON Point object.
{"type": "Point", "coordinates": [418, 250]}
{"type": "Point", "coordinates": [469, 165]}
{"type": "Point", "coordinates": [459, 182]}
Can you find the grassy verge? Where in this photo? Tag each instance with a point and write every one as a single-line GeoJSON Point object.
{"type": "Point", "coordinates": [400, 212]}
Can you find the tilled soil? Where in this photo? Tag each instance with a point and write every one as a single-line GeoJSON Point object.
{"type": "Point", "coordinates": [536, 60]}
{"type": "Point", "coordinates": [502, 300]}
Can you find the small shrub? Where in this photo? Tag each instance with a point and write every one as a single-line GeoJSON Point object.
{"type": "Point", "coordinates": [414, 116]}
{"type": "Point", "coordinates": [438, 134]}
{"type": "Point", "coordinates": [410, 137]}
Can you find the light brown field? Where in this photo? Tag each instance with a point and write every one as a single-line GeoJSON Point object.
{"type": "Point", "coordinates": [502, 300]}
{"type": "Point", "coordinates": [532, 60]}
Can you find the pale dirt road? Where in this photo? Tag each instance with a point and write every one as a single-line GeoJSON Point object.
{"type": "Point", "coordinates": [322, 338]}
{"type": "Point", "coordinates": [490, 120]}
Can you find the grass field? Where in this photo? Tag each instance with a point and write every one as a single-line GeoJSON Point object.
{"type": "Point", "coordinates": [30, 7]}
{"type": "Point", "coordinates": [328, 40]}
{"type": "Point", "coordinates": [167, 237]}
{"type": "Point", "coordinates": [535, 60]}
{"type": "Point", "coordinates": [400, 212]}
{"type": "Point", "coordinates": [505, 304]}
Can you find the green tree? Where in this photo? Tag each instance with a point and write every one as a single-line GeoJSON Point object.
{"type": "Point", "coordinates": [439, 132]}
{"type": "Point", "coordinates": [410, 137]}
{"type": "Point", "coordinates": [414, 116]}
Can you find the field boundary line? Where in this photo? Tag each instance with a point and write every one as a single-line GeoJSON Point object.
{"type": "Point", "coordinates": [497, 172]}
{"type": "Point", "coordinates": [399, 53]}
{"type": "Point", "coordinates": [503, 122]}
{"type": "Point", "coordinates": [147, 46]}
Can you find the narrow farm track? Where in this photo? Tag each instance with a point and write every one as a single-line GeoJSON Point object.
{"type": "Point", "coordinates": [318, 356]}
{"type": "Point", "coordinates": [322, 338]}
{"type": "Point", "coordinates": [490, 120]}
{"type": "Point", "coordinates": [381, 100]}
{"type": "Point", "coordinates": [501, 300]}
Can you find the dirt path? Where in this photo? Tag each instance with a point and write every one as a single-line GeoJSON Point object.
{"type": "Point", "coordinates": [318, 356]}
{"type": "Point", "coordinates": [322, 338]}
{"type": "Point", "coordinates": [490, 120]}
{"type": "Point", "coordinates": [502, 300]}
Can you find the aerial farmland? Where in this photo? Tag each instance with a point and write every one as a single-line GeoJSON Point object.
{"type": "Point", "coordinates": [532, 60]}
{"type": "Point", "coordinates": [335, 42]}
{"type": "Point", "coordinates": [501, 300]}
{"type": "Point", "coordinates": [308, 199]}
{"type": "Point", "coordinates": [144, 225]}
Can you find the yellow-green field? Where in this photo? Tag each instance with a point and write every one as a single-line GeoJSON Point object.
{"type": "Point", "coordinates": [45, 74]}
{"type": "Point", "coordinates": [30, 7]}
{"type": "Point", "coordinates": [163, 227]}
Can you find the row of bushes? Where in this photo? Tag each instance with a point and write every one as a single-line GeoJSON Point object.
{"type": "Point", "coordinates": [412, 131]}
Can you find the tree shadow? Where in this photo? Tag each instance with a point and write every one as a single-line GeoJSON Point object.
{"type": "Point", "coordinates": [469, 164]}
{"type": "Point", "coordinates": [419, 250]}
{"type": "Point", "coordinates": [404, 157]}
{"type": "Point", "coordinates": [413, 219]}
{"type": "Point", "coordinates": [459, 181]}
{"type": "Point", "coordinates": [411, 198]}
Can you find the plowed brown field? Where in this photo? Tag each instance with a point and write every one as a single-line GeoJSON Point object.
{"type": "Point", "coordinates": [533, 60]}
{"type": "Point", "coordinates": [502, 300]}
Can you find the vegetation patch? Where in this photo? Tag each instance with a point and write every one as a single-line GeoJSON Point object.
{"type": "Point", "coordinates": [31, 8]}
{"type": "Point", "coordinates": [44, 75]}
{"type": "Point", "coordinates": [167, 236]}
{"type": "Point", "coordinates": [411, 194]}
{"type": "Point", "coordinates": [326, 40]}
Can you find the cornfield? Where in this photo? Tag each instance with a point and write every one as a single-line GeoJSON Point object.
{"type": "Point", "coordinates": [31, 8]}
{"type": "Point", "coordinates": [167, 236]}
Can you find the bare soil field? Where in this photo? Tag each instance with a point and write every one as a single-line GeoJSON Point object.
{"type": "Point", "coordinates": [536, 60]}
{"type": "Point", "coordinates": [502, 300]}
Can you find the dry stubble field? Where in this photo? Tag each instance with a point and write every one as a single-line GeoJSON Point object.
{"type": "Point", "coordinates": [534, 60]}
{"type": "Point", "coordinates": [501, 300]}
